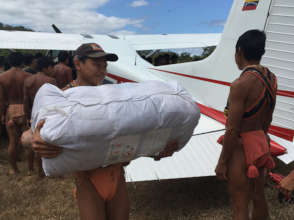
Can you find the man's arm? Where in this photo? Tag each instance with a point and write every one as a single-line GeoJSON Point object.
{"type": "Point", "coordinates": [237, 99]}
{"type": "Point", "coordinates": [236, 110]}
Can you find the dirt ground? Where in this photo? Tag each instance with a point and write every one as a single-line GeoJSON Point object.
{"type": "Point", "coordinates": [25, 197]}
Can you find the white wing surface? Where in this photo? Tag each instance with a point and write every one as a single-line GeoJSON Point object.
{"type": "Point", "coordinates": [54, 41]}
{"type": "Point", "coordinates": [40, 41]}
{"type": "Point", "coordinates": [197, 159]}
{"type": "Point", "coordinates": [172, 41]}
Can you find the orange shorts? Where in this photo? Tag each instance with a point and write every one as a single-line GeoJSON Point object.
{"type": "Point", "coordinates": [105, 180]}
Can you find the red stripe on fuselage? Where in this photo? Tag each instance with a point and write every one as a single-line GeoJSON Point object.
{"type": "Point", "coordinates": [279, 92]}
{"type": "Point", "coordinates": [217, 115]}
{"type": "Point", "coordinates": [196, 77]}
{"type": "Point", "coordinates": [118, 78]}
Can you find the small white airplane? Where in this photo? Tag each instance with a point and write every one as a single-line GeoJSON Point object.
{"type": "Point", "coordinates": [207, 80]}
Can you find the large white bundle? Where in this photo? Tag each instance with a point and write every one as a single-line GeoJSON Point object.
{"type": "Point", "coordinates": [107, 124]}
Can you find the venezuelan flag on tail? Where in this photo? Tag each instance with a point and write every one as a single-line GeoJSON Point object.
{"type": "Point", "coordinates": [250, 5]}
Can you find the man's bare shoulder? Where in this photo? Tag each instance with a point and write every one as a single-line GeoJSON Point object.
{"type": "Point", "coordinates": [62, 68]}
{"type": "Point", "coordinates": [50, 79]}
{"type": "Point", "coordinates": [20, 73]}
{"type": "Point", "coordinates": [243, 83]}
{"type": "Point", "coordinates": [29, 79]}
{"type": "Point", "coordinates": [4, 76]}
{"type": "Point", "coordinates": [26, 74]}
{"type": "Point", "coordinates": [238, 85]}
{"type": "Point", "coordinates": [58, 65]}
{"type": "Point", "coordinates": [67, 68]}
{"type": "Point", "coordinates": [42, 78]}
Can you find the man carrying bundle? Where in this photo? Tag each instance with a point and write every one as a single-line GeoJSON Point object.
{"type": "Point", "coordinates": [101, 192]}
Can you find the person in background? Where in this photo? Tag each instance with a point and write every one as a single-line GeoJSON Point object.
{"type": "Point", "coordinates": [174, 59]}
{"type": "Point", "coordinates": [162, 59]}
{"type": "Point", "coordinates": [63, 73]}
{"type": "Point", "coordinates": [31, 86]}
{"type": "Point", "coordinates": [11, 105]}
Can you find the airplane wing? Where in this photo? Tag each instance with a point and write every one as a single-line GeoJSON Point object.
{"type": "Point", "coordinates": [57, 41]}
{"type": "Point", "coordinates": [171, 41]}
{"type": "Point", "coordinates": [288, 157]}
{"type": "Point", "coordinates": [197, 159]}
{"type": "Point", "coordinates": [40, 41]}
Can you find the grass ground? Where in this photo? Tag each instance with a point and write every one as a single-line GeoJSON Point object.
{"type": "Point", "coordinates": [25, 197]}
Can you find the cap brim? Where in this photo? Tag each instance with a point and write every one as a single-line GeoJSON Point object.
{"type": "Point", "coordinates": [107, 56]}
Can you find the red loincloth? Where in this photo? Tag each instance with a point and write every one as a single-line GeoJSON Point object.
{"type": "Point", "coordinates": [257, 152]}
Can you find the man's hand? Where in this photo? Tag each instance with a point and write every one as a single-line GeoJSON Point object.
{"type": "Point", "coordinates": [221, 170]}
{"type": "Point", "coordinates": [42, 148]}
{"type": "Point", "coordinates": [287, 184]}
{"type": "Point", "coordinates": [168, 151]}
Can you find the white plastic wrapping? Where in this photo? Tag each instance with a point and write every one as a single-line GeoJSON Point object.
{"type": "Point", "coordinates": [107, 124]}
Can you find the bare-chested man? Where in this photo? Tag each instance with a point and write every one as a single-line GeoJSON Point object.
{"type": "Point", "coordinates": [63, 73]}
{"type": "Point", "coordinates": [31, 86]}
{"type": "Point", "coordinates": [245, 154]}
{"type": "Point", "coordinates": [11, 104]}
{"type": "Point", "coordinates": [102, 192]}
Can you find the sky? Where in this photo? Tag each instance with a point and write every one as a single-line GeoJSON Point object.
{"type": "Point", "coordinates": [118, 16]}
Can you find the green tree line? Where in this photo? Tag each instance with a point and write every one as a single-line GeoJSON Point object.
{"type": "Point", "coordinates": [8, 27]}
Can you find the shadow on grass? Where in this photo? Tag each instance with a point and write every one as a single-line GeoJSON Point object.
{"type": "Point", "coordinates": [173, 199]}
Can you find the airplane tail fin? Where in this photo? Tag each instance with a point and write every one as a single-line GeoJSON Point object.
{"type": "Point", "coordinates": [209, 79]}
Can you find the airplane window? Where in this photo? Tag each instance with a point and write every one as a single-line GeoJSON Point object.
{"type": "Point", "coordinates": [173, 56]}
